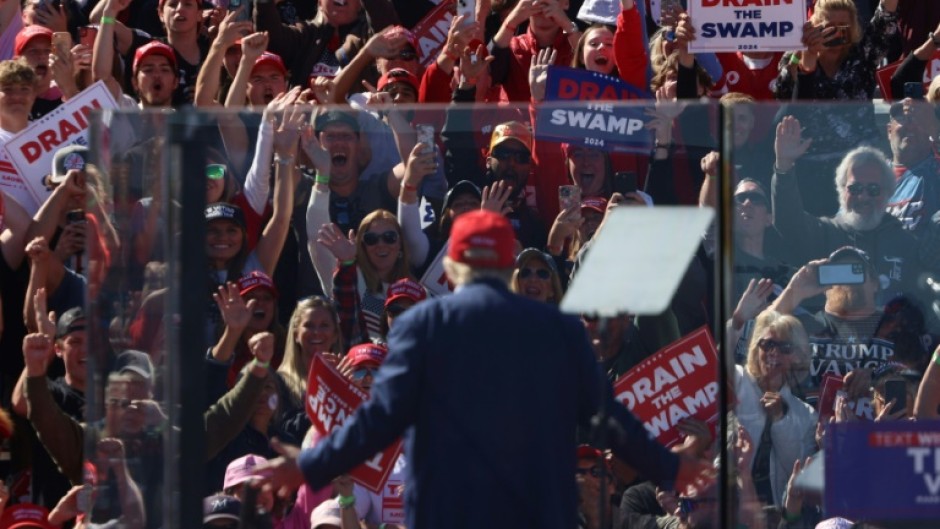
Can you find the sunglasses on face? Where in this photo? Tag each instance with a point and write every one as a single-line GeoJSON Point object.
{"type": "Point", "coordinates": [594, 471]}
{"type": "Point", "coordinates": [371, 238]}
{"type": "Point", "coordinates": [215, 171]}
{"type": "Point", "coordinates": [361, 372]}
{"type": "Point", "coordinates": [767, 346]}
{"type": "Point", "coordinates": [541, 273]}
{"type": "Point", "coordinates": [517, 155]}
{"type": "Point", "coordinates": [407, 55]}
{"type": "Point", "coordinates": [873, 190]}
{"type": "Point", "coordinates": [756, 198]}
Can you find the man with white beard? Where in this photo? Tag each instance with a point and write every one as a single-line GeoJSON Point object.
{"type": "Point", "coordinates": [865, 182]}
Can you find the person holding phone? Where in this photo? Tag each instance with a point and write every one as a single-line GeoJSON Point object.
{"type": "Point", "coordinates": [893, 391]}
{"type": "Point", "coordinates": [842, 335]}
{"type": "Point", "coordinates": [839, 64]}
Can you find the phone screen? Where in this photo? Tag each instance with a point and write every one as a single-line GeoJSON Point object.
{"type": "Point", "coordinates": [625, 182]}
{"type": "Point", "coordinates": [896, 390]}
{"type": "Point", "coordinates": [841, 274]}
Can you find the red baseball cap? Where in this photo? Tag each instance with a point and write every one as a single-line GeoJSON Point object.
{"type": "Point", "coordinates": [588, 452]}
{"type": "Point", "coordinates": [155, 47]}
{"type": "Point", "coordinates": [398, 75]}
{"type": "Point", "coordinates": [270, 59]}
{"type": "Point", "coordinates": [27, 34]}
{"type": "Point", "coordinates": [367, 353]}
{"type": "Point", "coordinates": [255, 280]}
{"type": "Point", "coordinates": [23, 515]}
{"type": "Point", "coordinates": [482, 238]}
{"type": "Point", "coordinates": [598, 204]}
{"type": "Point", "coordinates": [405, 289]}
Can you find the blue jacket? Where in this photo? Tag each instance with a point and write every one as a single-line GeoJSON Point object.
{"type": "Point", "coordinates": [488, 389]}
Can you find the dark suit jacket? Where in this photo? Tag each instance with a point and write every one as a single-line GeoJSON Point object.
{"type": "Point", "coordinates": [488, 389]}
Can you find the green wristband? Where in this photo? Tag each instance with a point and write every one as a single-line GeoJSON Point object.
{"type": "Point", "coordinates": [346, 502]}
{"type": "Point", "coordinates": [321, 178]}
{"type": "Point", "coordinates": [107, 20]}
{"type": "Point", "coordinates": [265, 365]}
{"type": "Point", "coordinates": [936, 357]}
{"type": "Point", "coordinates": [348, 263]}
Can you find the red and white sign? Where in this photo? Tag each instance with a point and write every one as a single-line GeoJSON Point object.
{"type": "Point", "coordinates": [677, 382]}
{"type": "Point", "coordinates": [883, 76]}
{"type": "Point", "coordinates": [432, 31]}
{"type": "Point", "coordinates": [435, 279]}
{"type": "Point", "coordinates": [746, 25]}
{"type": "Point", "coordinates": [830, 388]}
{"type": "Point", "coordinates": [31, 151]}
{"type": "Point", "coordinates": [331, 400]}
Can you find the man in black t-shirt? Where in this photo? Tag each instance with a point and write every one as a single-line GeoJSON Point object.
{"type": "Point", "coordinates": [68, 392]}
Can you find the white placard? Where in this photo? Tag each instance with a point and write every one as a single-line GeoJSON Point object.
{"type": "Point", "coordinates": [747, 25]}
{"type": "Point", "coordinates": [32, 150]}
{"type": "Point", "coordinates": [435, 280]}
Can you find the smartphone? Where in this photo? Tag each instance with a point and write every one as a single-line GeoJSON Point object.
{"type": "Point", "coordinates": [569, 196]}
{"type": "Point", "coordinates": [245, 15]}
{"type": "Point", "coordinates": [467, 8]}
{"type": "Point", "coordinates": [841, 37]}
{"type": "Point", "coordinates": [841, 274]}
{"type": "Point", "coordinates": [425, 135]}
{"type": "Point", "coordinates": [624, 182]}
{"type": "Point", "coordinates": [62, 42]}
{"type": "Point", "coordinates": [75, 216]}
{"type": "Point", "coordinates": [914, 90]}
{"type": "Point", "coordinates": [896, 390]}
{"type": "Point", "coordinates": [87, 35]}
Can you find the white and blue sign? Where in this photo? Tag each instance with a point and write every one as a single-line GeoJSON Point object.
{"type": "Point", "coordinates": [602, 123]}
{"type": "Point", "coordinates": [907, 452]}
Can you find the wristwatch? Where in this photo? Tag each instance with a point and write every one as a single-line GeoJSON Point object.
{"type": "Point", "coordinates": [573, 28]}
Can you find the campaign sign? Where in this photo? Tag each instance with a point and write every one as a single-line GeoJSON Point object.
{"type": "Point", "coordinates": [431, 31]}
{"type": "Point", "coordinates": [435, 280]}
{"type": "Point", "coordinates": [831, 388]}
{"type": "Point", "coordinates": [747, 25]}
{"type": "Point", "coordinates": [908, 452]}
{"type": "Point", "coordinates": [883, 76]}
{"type": "Point", "coordinates": [678, 382]}
{"type": "Point", "coordinates": [601, 124]}
{"type": "Point", "coordinates": [31, 151]}
{"type": "Point", "coordinates": [331, 400]}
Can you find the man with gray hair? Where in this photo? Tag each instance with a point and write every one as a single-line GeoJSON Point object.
{"type": "Point", "coordinates": [865, 182]}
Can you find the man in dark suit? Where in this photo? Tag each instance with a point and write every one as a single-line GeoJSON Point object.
{"type": "Point", "coordinates": [488, 389]}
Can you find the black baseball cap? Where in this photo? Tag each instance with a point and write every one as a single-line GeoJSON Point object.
{"type": "Point", "coordinates": [463, 187]}
{"type": "Point", "coordinates": [137, 362]}
{"type": "Point", "coordinates": [335, 116]}
{"type": "Point", "coordinates": [70, 321]}
{"type": "Point", "coordinates": [225, 211]}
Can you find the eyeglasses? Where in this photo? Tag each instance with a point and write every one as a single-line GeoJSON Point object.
{"type": "Point", "coordinates": [215, 171]}
{"type": "Point", "coordinates": [370, 238]}
{"type": "Point", "coordinates": [407, 55]}
{"type": "Point", "coordinates": [541, 273]}
{"type": "Point", "coordinates": [594, 471]}
{"type": "Point", "coordinates": [518, 155]}
{"type": "Point", "coordinates": [767, 346]}
{"type": "Point", "coordinates": [362, 372]}
{"type": "Point", "coordinates": [856, 189]}
{"type": "Point", "coordinates": [757, 199]}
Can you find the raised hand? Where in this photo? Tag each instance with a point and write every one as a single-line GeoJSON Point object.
{"type": "Point", "coordinates": [387, 43]}
{"type": "Point", "coordinates": [45, 320]}
{"type": "Point", "coordinates": [38, 250]}
{"type": "Point", "coordinates": [565, 226]}
{"type": "Point", "coordinates": [474, 61]}
{"type": "Point", "coordinates": [343, 248]}
{"type": "Point", "coordinates": [231, 30]}
{"type": "Point", "coordinates": [261, 346]}
{"type": "Point", "coordinates": [494, 197]}
{"type": "Point", "coordinates": [254, 45]}
{"type": "Point", "coordinates": [284, 475]}
{"type": "Point", "coordinates": [789, 144]}
{"type": "Point", "coordinates": [711, 163]}
{"type": "Point", "coordinates": [753, 301]}
{"type": "Point", "coordinates": [315, 151]}
{"type": "Point", "coordinates": [421, 162]}
{"type": "Point", "coordinates": [538, 72]}
{"type": "Point", "coordinates": [292, 121]}
{"type": "Point", "coordinates": [37, 352]}
{"type": "Point", "coordinates": [235, 312]}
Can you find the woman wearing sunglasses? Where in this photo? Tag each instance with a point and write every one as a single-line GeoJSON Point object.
{"type": "Point", "coordinates": [782, 426]}
{"type": "Point", "coordinates": [536, 277]}
{"type": "Point", "coordinates": [368, 262]}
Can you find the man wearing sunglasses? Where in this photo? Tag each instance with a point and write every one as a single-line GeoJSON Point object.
{"type": "Point", "coordinates": [864, 182]}
{"type": "Point", "coordinates": [917, 196]}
